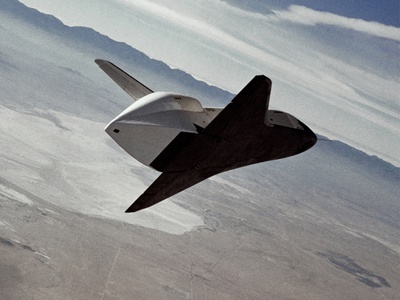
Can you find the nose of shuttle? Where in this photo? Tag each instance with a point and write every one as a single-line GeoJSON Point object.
{"type": "Point", "coordinates": [150, 124]}
{"type": "Point", "coordinates": [111, 129]}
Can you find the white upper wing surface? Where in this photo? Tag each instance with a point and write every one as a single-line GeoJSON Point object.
{"type": "Point", "coordinates": [129, 84]}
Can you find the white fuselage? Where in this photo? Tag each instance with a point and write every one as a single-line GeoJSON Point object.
{"type": "Point", "coordinates": [146, 127]}
{"type": "Point", "coordinates": [151, 123]}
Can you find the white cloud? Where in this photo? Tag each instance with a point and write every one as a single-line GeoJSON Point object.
{"type": "Point", "coordinates": [346, 87]}
{"type": "Point", "coordinates": [307, 16]}
{"type": "Point", "coordinates": [251, 40]}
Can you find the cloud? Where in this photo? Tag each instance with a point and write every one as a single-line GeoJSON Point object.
{"type": "Point", "coordinates": [343, 86]}
{"type": "Point", "coordinates": [307, 16]}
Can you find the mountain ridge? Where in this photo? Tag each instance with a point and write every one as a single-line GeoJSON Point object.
{"type": "Point", "coordinates": [123, 51]}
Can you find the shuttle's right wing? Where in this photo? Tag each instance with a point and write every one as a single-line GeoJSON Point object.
{"type": "Point", "coordinates": [129, 84]}
{"type": "Point", "coordinates": [238, 136]}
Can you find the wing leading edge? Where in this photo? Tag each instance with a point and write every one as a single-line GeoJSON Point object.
{"type": "Point", "coordinates": [240, 135]}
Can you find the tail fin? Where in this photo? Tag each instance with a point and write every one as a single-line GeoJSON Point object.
{"type": "Point", "coordinates": [129, 84]}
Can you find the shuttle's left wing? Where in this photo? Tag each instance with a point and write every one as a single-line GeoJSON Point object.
{"type": "Point", "coordinates": [129, 84]}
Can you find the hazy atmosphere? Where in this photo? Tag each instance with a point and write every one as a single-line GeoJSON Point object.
{"type": "Point", "coordinates": [338, 68]}
{"type": "Point", "coordinates": [320, 225]}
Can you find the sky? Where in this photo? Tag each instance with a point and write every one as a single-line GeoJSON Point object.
{"type": "Point", "coordinates": [334, 65]}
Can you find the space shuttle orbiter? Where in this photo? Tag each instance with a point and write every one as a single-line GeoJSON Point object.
{"type": "Point", "coordinates": [176, 135]}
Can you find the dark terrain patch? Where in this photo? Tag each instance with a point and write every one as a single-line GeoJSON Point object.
{"type": "Point", "coordinates": [348, 265]}
{"type": "Point", "coordinates": [11, 244]}
{"type": "Point", "coordinates": [6, 242]}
